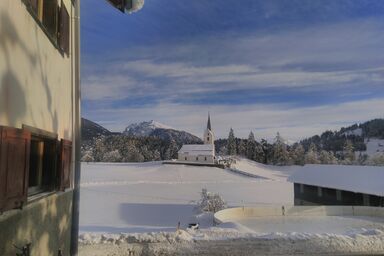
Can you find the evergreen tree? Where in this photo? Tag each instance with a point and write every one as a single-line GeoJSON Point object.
{"type": "Point", "coordinates": [112, 156]}
{"type": "Point", "coordinates": [267, 149]}
{"type": "Point", "coordinates": [251, 144]}
{"type": "Point", "coordinates": [298, 154]}
{"type": "Point", "coordinates": [171, 151]}
{"type": "Point", "coordinates": [312, 157]}
{"type": "Point", "coordinates": [241, 149]}
{"type": "Point", "coordinates": [280, 153]}
{"type": "Point", "coordinates": [87, 156]}
{"type": "Point", "coordinates": [326, 157]}
{"type": "Point", "coordinates": [231, 143]}
{"type": "Point", "coordinates": [259, 155]}
{"type": "Point", "coordinates": [349, 153]}
{"type": "Point", "coordinates": [99, 148]}
{"type": "Point", "coordinates": [134, 154]}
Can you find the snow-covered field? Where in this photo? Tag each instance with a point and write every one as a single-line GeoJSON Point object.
{"type": "Point", "coordinates": [147, 197]}
{"type": "Point", "coordinates": [137, 206]}
{"type": "Point", "coordinates": [374, 146]}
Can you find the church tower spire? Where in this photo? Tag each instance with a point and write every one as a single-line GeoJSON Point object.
{"type": "Point", "coordinates": [209, 137]}
{"type": "Point", "coordinates": [209, 122]}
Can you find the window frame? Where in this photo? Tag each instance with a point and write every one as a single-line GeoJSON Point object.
{"type": "Point", "coordinates": [15, 147]}
{"type": "Point", "coordinates": [47, 181]}
{"type": "Point", "coordinates": [54, 39]}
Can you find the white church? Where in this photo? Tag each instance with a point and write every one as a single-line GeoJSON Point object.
{"type": "Point", "coordinates": [200, 153]}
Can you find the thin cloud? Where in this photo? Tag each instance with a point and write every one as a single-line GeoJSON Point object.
{"type": "Point", "coordinates": [299, 80]}
{"type": "Point", "coordinates": [264, 119]}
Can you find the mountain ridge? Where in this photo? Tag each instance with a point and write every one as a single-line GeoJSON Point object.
{"type": "Point", "coordinates": [156, 129]}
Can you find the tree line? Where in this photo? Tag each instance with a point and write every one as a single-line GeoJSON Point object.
{"type": "Point", "coordinates": [331, 147]}
{"type": "Point", "coordinates": [121, 148]}
{"type": "Point", "coordinates": [347, 149]}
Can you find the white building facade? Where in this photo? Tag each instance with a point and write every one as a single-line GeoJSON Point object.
{"type": "Point", "coordinates": [39, 117]}
{"type": "Point", "coordinates": [200, 153]}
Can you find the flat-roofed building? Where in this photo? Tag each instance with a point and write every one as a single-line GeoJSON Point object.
{"type": "Point", "coordinates": [339, 185]}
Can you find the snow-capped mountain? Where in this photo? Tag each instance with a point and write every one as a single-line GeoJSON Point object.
{"type": "Point", "coordinates": [144, 129]}
{"type": "Point", "coordinates": [156, 129]}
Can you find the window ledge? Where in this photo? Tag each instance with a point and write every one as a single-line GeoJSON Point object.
{"type": "Point", "coordinates": [31, 201]}
{"type": "Point", "coordinates": [39, 196]}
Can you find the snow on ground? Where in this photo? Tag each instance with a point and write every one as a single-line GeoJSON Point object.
{"type": "Point", "coordinates": [374, 146]}
{"type": "Point", "coordinates": [135, 207]}
{"type": "Point", "coordinates": [356, 132]}
{"type": "Point", "coordinates": [146, 197]}
{"type": "Point", "coordinates": [228, 240]}
{"type": "Point", "coordinates": [275, 173]}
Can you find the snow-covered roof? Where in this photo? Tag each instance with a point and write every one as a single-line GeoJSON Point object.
{"type": "Point", "coordinates": [358, 179]}
{"type": "Point", "coordinates": [197, 149]}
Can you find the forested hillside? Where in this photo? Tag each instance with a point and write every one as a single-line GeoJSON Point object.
{"type": "Point", "coordinates": [356, 144]}
{"type": "Point", "coordinates": [361, 144]}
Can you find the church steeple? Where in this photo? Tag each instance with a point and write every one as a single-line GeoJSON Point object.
{"type": "Point", "coordinates": [209, 122]}
{"type": "Point", "coordinates": [209, 137]}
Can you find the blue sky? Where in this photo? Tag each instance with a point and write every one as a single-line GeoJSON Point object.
{"type": "Point", "coordinates": [299, 67]}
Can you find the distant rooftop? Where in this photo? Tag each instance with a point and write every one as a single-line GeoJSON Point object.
{"type": "Point", "coordinates": [358, 179]}
{"type": "Point", "coordinates": [197, 149]}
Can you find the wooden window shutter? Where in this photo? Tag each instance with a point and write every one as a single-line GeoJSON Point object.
{"type": "Point", "coordinates": [50, 17]}
{"type": "Point", "coordinates": [14, 167]}
{"type": "Point", "coordinates": [64, 29]}
{"type": "Point", "coordinates": [65, 165]}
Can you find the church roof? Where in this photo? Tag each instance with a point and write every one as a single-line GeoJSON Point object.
{"type": "Point", "coordinates": [197, 149]}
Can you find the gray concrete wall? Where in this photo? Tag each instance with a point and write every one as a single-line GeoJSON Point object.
{"type": "Point", "coordinates": [232, 214]}
{"type": "Point", "coordinates": [310, 196]}
{"type": "Point", "coordinates": [45, 223]}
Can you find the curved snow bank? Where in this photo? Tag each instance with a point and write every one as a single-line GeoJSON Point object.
{"type": "Point", "coordinates": [249, 212]}
{"type": "Point", "coordinates": [227, 241]}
